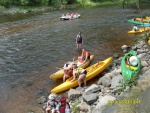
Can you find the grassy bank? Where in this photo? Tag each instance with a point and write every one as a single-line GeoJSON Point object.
{"type": "Point", "coordinates": [135, 93]}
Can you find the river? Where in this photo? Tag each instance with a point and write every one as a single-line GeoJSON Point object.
{"type": "Point", "coordinates": [32, 46]}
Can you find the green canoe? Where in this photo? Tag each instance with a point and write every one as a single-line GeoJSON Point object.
{"type": "Point", "coordinates": [130, 65]}
{"type": "Point", "coordinates": [137, 22]}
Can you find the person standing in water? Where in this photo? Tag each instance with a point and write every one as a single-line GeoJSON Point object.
{"type": "Point", "coordinates": [79, 40]}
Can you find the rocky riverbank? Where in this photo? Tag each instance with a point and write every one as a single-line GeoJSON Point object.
{"type": "Point", "coordinates": [109, 95]}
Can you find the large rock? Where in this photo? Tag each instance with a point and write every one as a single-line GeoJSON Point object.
{"type": "Point", "coordinates": [106, 81]}
{"type": "Point", "coordinates": [115, 81]}
{"type": "Point", "coordinates": [73, 94]}
{"type": "Point", "coordinates": [141, 55]}
{"type": "Point", "coordinates": [90, 98]}
{"type": "Point", "coordinates": [124, 47]}
{"type": "Point", "coordinates": [144, 64]}
{"type": "Point", "coordinates": [92, 89]}
{"type": "Point", "coordinates": [140, 44]}
{"type": "Point", "coordinates": [101, 104]}
{"type": "Point", "coordinates": [139, 51]}
{"type": "Point", "coordinates": [84, 107]}
{"type": "Point", "coordinates": [145, 57]}
{"type": "Point", "coordinates": [104, 100]}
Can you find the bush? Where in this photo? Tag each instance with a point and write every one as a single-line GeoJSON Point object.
{"type": "Point", "coordinates": [123, 84]}
{"type": "Point", "coordinates": [75, 109]}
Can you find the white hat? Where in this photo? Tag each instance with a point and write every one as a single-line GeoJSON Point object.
{"type": "Point", "coordinates": [133, 60]}
{"type": "Point", "coordinates": [51, 97]}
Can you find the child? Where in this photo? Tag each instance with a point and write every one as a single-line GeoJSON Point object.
{"type": "Point", "coordinates": [50, 105]}
{"type": "Point", "coordinates": [58, 104]}
{"type": "Point", "coordinates": [67, 109]}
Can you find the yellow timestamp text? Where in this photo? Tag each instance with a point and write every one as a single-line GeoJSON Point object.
{"type": "Point", "coordinates": [124, 102]}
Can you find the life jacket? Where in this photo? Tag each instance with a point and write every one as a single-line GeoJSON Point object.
{"type": "Point", "coordinates": [86, 54]}
{"type": "Point", "coordinates": [78, 71]}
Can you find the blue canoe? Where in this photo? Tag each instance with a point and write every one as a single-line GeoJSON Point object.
{"type": "Point", "coordinates": [145, 25]}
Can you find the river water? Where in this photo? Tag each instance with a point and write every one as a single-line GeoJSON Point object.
{"type": "Point", "coordinates": [32, 46]}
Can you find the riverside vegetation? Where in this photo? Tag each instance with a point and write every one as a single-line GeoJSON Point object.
{"type": "Point", "coordinates": [34, 6]}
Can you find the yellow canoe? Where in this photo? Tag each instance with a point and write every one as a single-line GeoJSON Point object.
{"type": "Point", "coordinates": [59, 74]}
{"type": "Point", "coordinates": [139, 31]}
{"type": "Point", "coordinates": [147, 17]}
{"type": "Point", "coordinates": [149, 41]}
{"type": "Point", "coordinates": [144, 20]}
{"type": "Point", "coordinates": [93, 70]}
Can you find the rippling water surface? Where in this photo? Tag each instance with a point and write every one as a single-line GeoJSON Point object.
{"type": "Point", "coordinates": [32, 48]}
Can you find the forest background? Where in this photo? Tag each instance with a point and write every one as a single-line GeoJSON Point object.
{"type": "Point", "coordinates": [58, 3]}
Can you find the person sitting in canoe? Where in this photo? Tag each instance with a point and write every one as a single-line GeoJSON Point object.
{"type": "Point", "coordinates": [141, 20]}
{"type": "Point", "coordinates": [134, 19]}
{"type": "Point", "coordinates": [77, 15]}
{"type": "Point", "coordinates": [85, 55]}
{"type": "Point", "coordinates": [68, 70]}
{"type": "Point", "coordinates": [135, 28]}
{"type": "Point", "coordinates": [62, 15]}
{"type": "Point", "coordinates": [68, 15]}
{"type": "Point", "coordinates": [80, 74]}
{"type": "Point", "coordinates": [72, 16]}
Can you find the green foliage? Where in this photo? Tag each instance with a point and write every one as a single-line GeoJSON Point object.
{"type": "Point", "coordinates": [24, 2]}
{"type": "Point", "coordinates": [5, 3]}
{"type": "Point", "coordinates": [123, 84]}
{"type": "Point", "coordinates": [74, 107]}
{"type": "Point", "coordinates": [55, 2]}
{"type": "Point", "coordinates": [8, 3]}
{"type": "Point", "coordinates": [1, 8]}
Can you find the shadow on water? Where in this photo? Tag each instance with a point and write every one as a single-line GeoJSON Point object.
{"type": "Point", "coordinates": [32, 48]}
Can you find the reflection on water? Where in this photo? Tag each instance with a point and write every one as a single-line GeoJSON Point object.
{"type": "Point", "coordinates": [31, 49]}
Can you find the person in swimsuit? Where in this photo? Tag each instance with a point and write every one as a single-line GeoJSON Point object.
{"type": "Point", "coordinates": [80, 74]}
{"type": "Point", "coordinates": [79, 40]}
